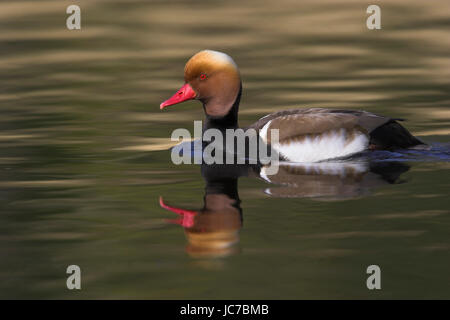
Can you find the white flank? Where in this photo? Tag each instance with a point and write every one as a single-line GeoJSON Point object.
{"type": "Point", "coordinates": [321, 148]}
{"type": "Point", "coordinates": [263, 131]}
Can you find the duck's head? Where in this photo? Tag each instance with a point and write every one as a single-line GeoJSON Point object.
{"type": "Point", "coordinates": [213, 78]}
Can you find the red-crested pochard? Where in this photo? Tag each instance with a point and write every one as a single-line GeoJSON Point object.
{"type": "Point", "coordinates": [305, 135]}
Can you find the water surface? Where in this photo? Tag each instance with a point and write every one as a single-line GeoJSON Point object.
{"type": "Point", "coordinates": [84, 153]}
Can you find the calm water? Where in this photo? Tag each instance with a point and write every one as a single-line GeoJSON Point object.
{"type": "Point", "coordinates": [84, 152]}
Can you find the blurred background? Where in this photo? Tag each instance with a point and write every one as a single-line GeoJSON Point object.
{"type": "Point", "coordinates": [84, 149]}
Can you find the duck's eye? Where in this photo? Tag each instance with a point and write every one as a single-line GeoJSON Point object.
{"type": "Point", "coordinates": [203, 76]}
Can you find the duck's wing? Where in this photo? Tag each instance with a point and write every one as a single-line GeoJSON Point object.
{"type": "Point", "coordinates": [298, 122]}
{"type": "Point", "coordinates": [310, 135]}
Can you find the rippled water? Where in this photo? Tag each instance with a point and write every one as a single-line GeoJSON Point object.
{"type": "Point", "coordinates": [84, 153]}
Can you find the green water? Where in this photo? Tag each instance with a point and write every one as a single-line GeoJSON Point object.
{"type": "Point", "coordinates": [84, 150]}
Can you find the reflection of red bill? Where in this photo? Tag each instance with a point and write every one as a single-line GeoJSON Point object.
{"type": "Point", "coordinates": [185, 93]}
{"type": "Point", "coordinates": [187, 216]}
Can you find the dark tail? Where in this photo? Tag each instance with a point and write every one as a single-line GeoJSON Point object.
{"type": "Point", "coordinates": [393, 135]}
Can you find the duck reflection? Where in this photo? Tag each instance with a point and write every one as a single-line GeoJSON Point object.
{"type": "Point", "coordinates": [332, 180]}
{"type": "Point", "coordinates": [213, 231]}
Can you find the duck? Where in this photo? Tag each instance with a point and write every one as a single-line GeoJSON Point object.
{"type": "Point", "coordinates": [305, 134]}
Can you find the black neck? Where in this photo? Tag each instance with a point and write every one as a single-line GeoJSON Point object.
{"type": "Point", "coordinates": [229, 121]}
